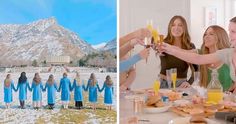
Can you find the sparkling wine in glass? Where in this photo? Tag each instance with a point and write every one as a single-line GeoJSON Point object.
{"type": "Point", "coordinates": [174, 77]}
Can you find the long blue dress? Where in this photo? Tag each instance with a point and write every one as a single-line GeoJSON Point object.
{"type": "Point", "coordinates": [23, 90]}
{"type": "Point", "coordinates": [37, 91]}
{"type": "Point", "coordinates": [78, 92]}
{"type": "Point", "coordinates": [108, 93]}
{"type": "Point", "coordinates": [52, 88]}
{"type": "Point", "coordinates": [92, 91]}
{"type": "Point", "coordinates": [8, 92]}
{"type": "Point", "coordinates": [65, 85]}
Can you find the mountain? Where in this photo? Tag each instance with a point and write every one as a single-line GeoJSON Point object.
{"type": "Point", "coordinates": [34, 41]}
{"type": "Point", "coordinates": [99, 46]}
{"type": "Point", "coordinates": [111, 46]}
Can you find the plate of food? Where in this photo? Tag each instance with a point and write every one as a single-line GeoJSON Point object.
{"type": "Point", "coordinates": [192, 120]}
{"type": "Point", "coordinates": [181, 102]}
{"type": "Point", "coordinates": [154, 104]}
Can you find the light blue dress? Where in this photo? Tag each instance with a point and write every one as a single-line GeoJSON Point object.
{"type": "Point", "coordinates": [8, 92]}
{"type": "Point", "coordinates": [108, 93]}
{"type": "Point", "coordinates": [37, 91]}
{"type": "Point", "coordinates": [22, 87]}
{"type": "Point", "coordinates": [78, 91]}
{"type": "Point", "coordinates": [51, 92]}
{"type": "Point", "coordinates": [65, 85]}
{"type": "Point", "coordinates": [92, 91]}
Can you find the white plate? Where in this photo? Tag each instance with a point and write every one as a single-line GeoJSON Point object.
{"type": "Point", "coordinates": [156, 109]}
{"type": "Point", "coordinates": [185, 120]}
{"type": "Point", "coordinates": [181, 102]}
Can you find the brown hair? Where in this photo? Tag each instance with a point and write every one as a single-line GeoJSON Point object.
{"type": "Point", "coordinates": [233, 19]}
{"type": "Point", "coordinates": [185, 38]}
{"type": "Point", "coordinates": [222, 42]}
{"type": "Point", "coordinates": [51, 79]}
{"type": "Point", "coordinates": [93, 79]}
{"type": "Point", "coordinates": [37, 78]}
{"type": "Point", "coordinates": [108, 81]}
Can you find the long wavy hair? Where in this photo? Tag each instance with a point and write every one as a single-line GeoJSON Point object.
{"type": "Point", "coordinates": [185, 37]}
{"type": "Point", "coordinates": [93, 79]}
{"type": "Point", "coordinates": [77, 78]}
{"type": "Point", "coordinates": [222, 42]}
{"type": "Point", "coordinates": [108, 81]}
{"type": "Point", "coordinates": [7, 81]}
{"type": "Point", "coordinates": [22, 78]}
{"type": "Point", "coordinates": [51, 79]}
{"type": "Point", "coordinates": [37, 78]}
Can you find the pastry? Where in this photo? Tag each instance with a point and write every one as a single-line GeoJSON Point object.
{"type": "Point", "coordinates": [195, 111]}
{"type": "Point", "coordinates": [152, 100]}
{"type": "Point", "coordinates": [198, 120]}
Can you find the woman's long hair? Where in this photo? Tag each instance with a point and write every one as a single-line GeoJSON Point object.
{"type": "Point", "coordinates": [37, 78]}
{"type": "Point", "coordinates": [22, 78]}
{"type": "Point", "coordinates": [185, 37]}
{"type": "Point", "coordinates": [77, 78]}
{"type": "Point", "coordinates": [222, 43]}
{"type": "Point", "coordinates": [51, 79]}
{"type": "Point", "coordinates": [7, 81]}
{"type": "Point", "coordinates": [108, 81]}
{"type": "Point", "coordinates": [93, 79]}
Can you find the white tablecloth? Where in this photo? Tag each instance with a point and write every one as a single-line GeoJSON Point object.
{"type": "Point", "coordinates": [126, 110]}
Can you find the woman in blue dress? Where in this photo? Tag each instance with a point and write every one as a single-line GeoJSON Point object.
{"type": "Point", "coordinates": [108, 86]}
{"type": "Point", "coordinates": [22, 87]}
{"type": "Point", "coordinates": [37, 88]}
{"type": "Point", "coordinates": [51, 87]}
{"type": "Point", "coordinates": [78, 91]}
{"type": "Point", "coordinates": [65, 85]}
{"type": "Point", "coordinates": [8, 86]}
{"type": "Point", "coordinates": [93, 87]}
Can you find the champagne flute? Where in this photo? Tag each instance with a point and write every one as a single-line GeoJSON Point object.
{"type": "Point", "coordinates": [147, 44]}
{"type": "Point", "coordinates": [174, 77]}
{"type": "Point", "coordinates": [168, 78]}
{"type": "Point", "coordinates": [161, 39]}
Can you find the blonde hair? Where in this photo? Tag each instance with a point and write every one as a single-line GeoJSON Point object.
{"type": "Point", "coordinates": [7, 81]}
{"type": "Point", "coordinates": [222, 43]}
{"type": "Point", "coordinates": [77, 78]}
{"type": "Point", "coordinates": [108, 81]}
{"type": "Point", "coordinates": [93, 79]}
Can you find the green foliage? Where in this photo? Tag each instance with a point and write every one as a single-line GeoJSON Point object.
{"type": "Point", "coordinates": [35, 63]}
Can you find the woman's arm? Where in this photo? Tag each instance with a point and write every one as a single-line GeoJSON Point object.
{"type": "Point", "coordinates": [13, 87]}
{"type": "Point", "coordinates": [59, 86]}
{"type": "Point", "coordinates": [127, 64]}
{"type": "Point", "coordinates": [73, 86]}
{"type": "Point", "coordinates": [100, 90]}
{"type": "Point", "coordinates": [28, 86]}
{"type": "Point", "coordinates": [140, 34]}
{"type": "Point", "coordinates": [128, 46]}
{"type": "Point", "coordinates": [190, 57]}
{"type": "Point", "coordinates": [86, 89]}
{"type": "Point", "coordinates": [46, 85]}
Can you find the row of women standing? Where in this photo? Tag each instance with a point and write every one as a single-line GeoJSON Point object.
{"type": "Point", "coordinates": [65, 87]}
{"type": "Point", "coordinates": [215, 38]}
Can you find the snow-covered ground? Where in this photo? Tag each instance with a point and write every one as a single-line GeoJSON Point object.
{"type": "Point", "coordinates": [29, 115]}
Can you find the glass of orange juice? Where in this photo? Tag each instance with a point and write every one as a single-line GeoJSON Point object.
{"type": "Point", "coordinates": [174, 77]}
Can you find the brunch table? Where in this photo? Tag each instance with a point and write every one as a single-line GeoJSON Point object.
{"type": "Point", "coordinates": [127, 110]}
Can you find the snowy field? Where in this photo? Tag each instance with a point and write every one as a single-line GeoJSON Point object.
{"type": "Point", "coordinates": [29, 115]}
